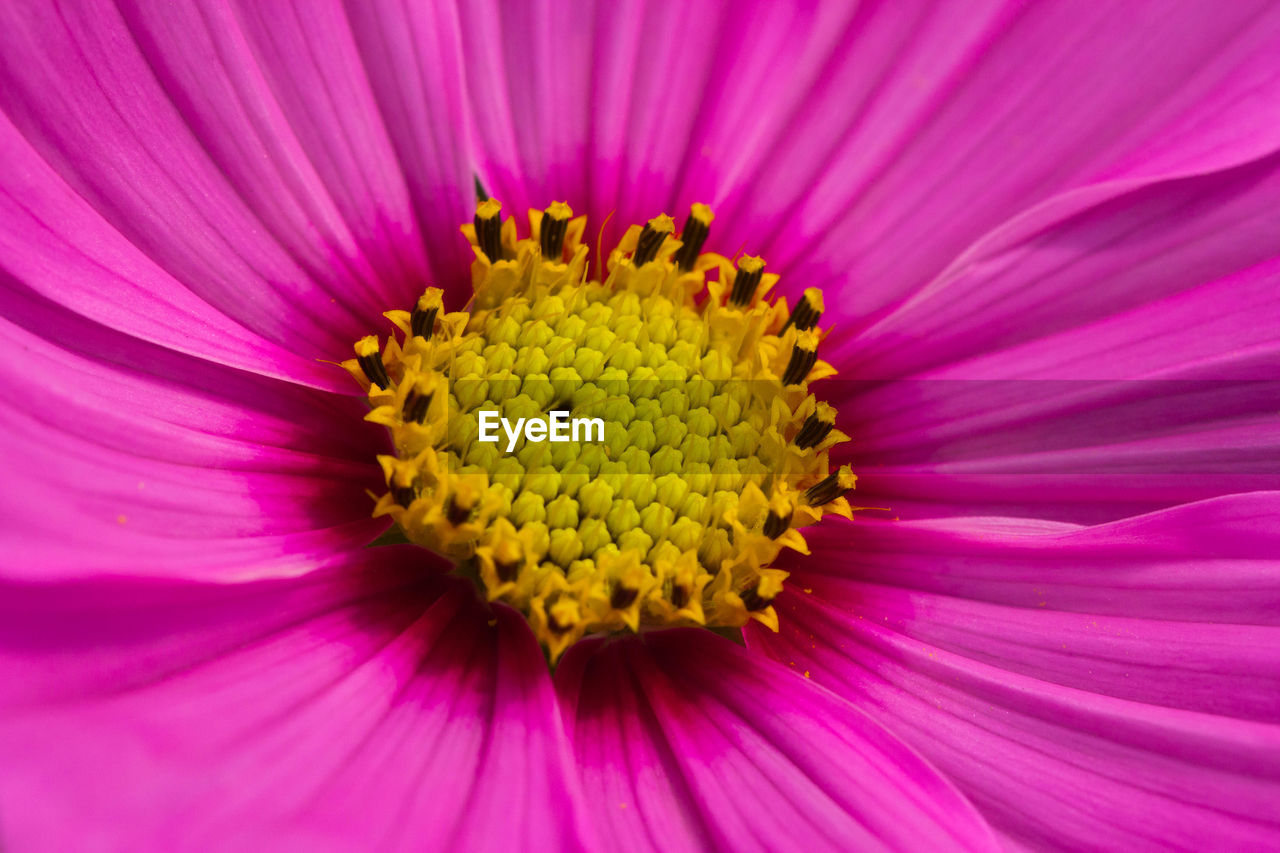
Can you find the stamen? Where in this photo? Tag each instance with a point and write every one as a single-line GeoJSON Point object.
{"type": "Point", "coordinates": [803, 358]}
{"type": "Point", "coordinates": [746, 280]}
{"type": "Point", "coordinates": [506, 560]}
{"type": "Point", "coordinates": [370, 358]}
{"type": "Point", "coordinates": [459, 511]}
{"type": "Point", "coordinates": [555, 222]}
{"type": "Point", "coordinates": [753, 600]}
{"type": "Point", "coordinates": [556, 617]}
{"type": "Point", "coordinates": [651, 238]}
{"type": "Point", "coordinates": [401, 483]}
{"type": "Point", "coordinates": [623, 597]}
{"type": "Point", "coordinates": [775, 525]}
{"type": "Point", "coordinates": [693, 236]}
{"type": "Point", "coordinates": [832, 487]}
{"type": "Point", "coordinates": [416, 404]}
{"type": "Point", "coordinates": [506, 571]}
{"type": "Point", "coordinates": [489, 229]}
{"type": "Point", "coordinates": [422, 322]}
{"type": "Point", "coordinates": [816, 427]}
{"type": "Point", "coordinates": [808, 311]}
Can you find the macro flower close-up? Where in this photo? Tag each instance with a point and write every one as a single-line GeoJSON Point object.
{"type": "Point", "coordinates": [640, 426]}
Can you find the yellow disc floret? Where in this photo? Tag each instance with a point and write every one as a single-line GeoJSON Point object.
{"type": "Point", "coordinates": [665, 446]}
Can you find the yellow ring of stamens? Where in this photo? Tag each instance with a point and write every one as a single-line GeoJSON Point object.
{"type": "Point", "coordinates": [714, 451]}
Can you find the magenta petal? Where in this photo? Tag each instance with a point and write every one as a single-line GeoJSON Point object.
{"type": "Point", "coordinates": [1137, 373]}
{"type": "Point", "coordinates": [414, 65]}
{"type": "Point", "coordinates": [1117, 684]}
{"type": "Point", "coordinates": [1209, 666]}
{"type": "Point", "coordinates": [614, 110]}
{"type": "Point", "coordinates": [176, 126]}
{"type": "Point", "coordinates": [786, 120]}
{"type": "Point", "coordinates": [1074, 450]}
{"type": "Point", "coordinates": [398, 200]}
{"type": "Point", "coordinates": [1048, 765]}
{"type": "Point", "coordinates": [992, 109]}
{"type": "Point", "coordinates": [1213, 561]}
{"type": "Point", "coordinates": [687, 742]}
{"type": "Point", "coordinates": [1232, 670]}
{"type": "Point", "coordinates": [55, 248]}
{"type": "Point", "coordinates": [1164, 241]}
{"type": "Point", "coordinates": [122, 456]}
{"type": "Point", "coordinates": [356, 708]}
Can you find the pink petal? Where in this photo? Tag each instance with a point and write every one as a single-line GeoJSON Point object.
{"type": "Point", "coordinates": [406, 187]}
{"type": "Point", "coordinates": [1207, 562]}
{"type": "Point", "coordinates": [1107, 478]}
{"type": "Point", "coordinates": [356, 708]}
{"type": "Point", "coordinates": [414, 65]}
{"type": "Point", "coordinates": [1113, 685]}
{"type": "Point", "coordinates": [1051, 765]}
{"type": "Point", "coordinates": [684, 741]}
{"type": "Point", "coordinates": [1209, 237]}
{"type": "Point", "coordinates": [55, 248]}
{"type": "Point", "coordinates": [1074, 450]}
{"type": "Point", "coordinates": [1135, 374]}
{"type": "Point", "coordinates": [787, 120]}
{"type": "Point", "coordinates": [989, 112]}
{"type": "Point", "coordinates": [122, 456]}
{"type": "Point", "coordinates": [617, 112]}
{"type": "Point", "coordinates": [1226, 669]}
{"type": "Point", "coordinates": [177, 127]}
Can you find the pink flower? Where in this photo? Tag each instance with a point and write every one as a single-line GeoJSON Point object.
{"type": "Point", "coordinates": [1049, 241]}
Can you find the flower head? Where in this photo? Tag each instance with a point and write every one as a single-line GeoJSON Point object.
{"type": "Point", "coordinates": [710, 451]}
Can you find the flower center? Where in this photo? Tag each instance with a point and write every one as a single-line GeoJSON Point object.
{"type": "Point", "coordinates": [701, 450]}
